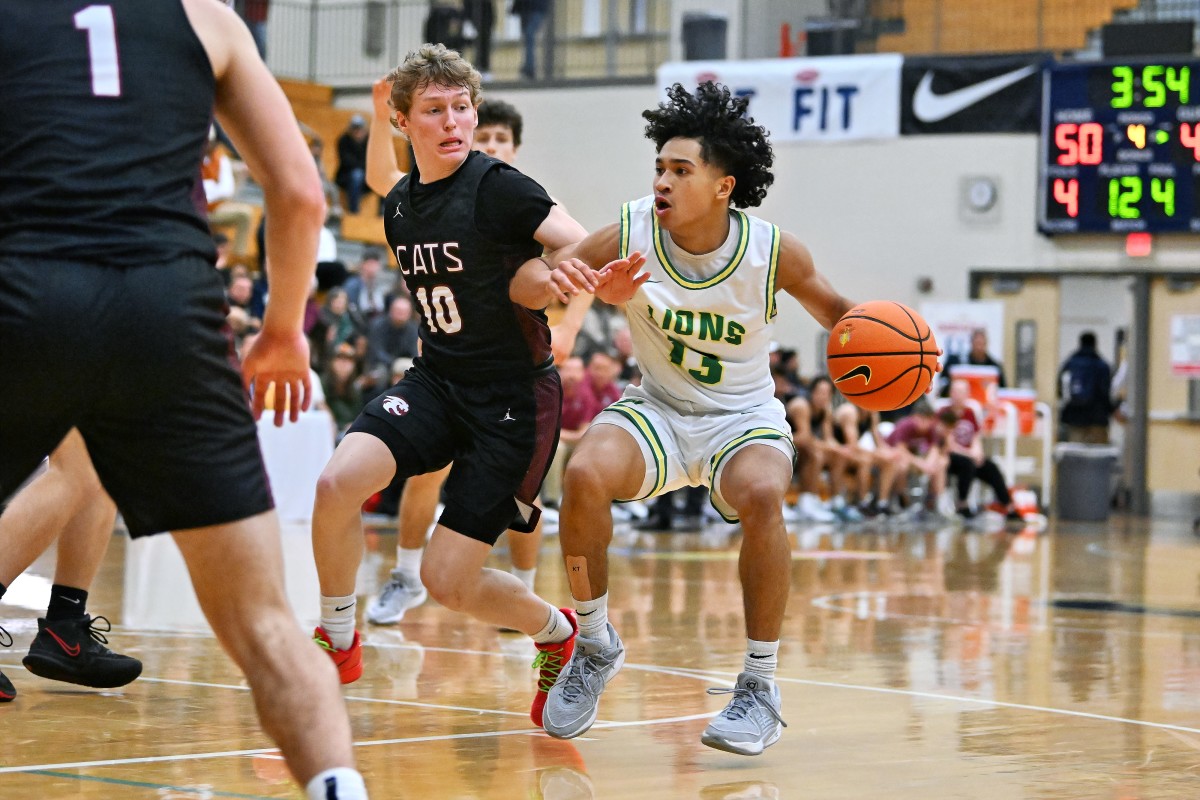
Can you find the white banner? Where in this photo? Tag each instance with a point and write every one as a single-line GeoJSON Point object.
{"type": "Point", "coordinates": [828, 99]}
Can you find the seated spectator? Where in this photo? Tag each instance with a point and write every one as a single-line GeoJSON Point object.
{"type": "Point", "coordinates": [602, 371]}
{"type": "Point", "coordinates": [977, 356]}
{"type": "Point", "coordinates": [967, 459]}
{"type": "Point", "coordinates": [240, 293]}
{"type": "Point", "coordinates": [224, 250]}
{"type": "Point", "coordinates": [809, 454]}
{"type": "Point", "coordinates": [337, 323]}
{"type": "Point", "coordinates": [786, 363]}
{"type": "Point", "coordinates": [351, 173]}
{"type": "Point", "coordinates": [623, 345]}
{"type": "Point", "coordinates": [370, 287]}
{"type": "Point", "coordinates": [388, 338]}
{"type": "Point", "coordinates": [836, 456]}
{"type": "Point", "coordinates": [343, 392]}
{"type": "Point", "coordinates": [216, 171]}
{"type": "Point", "coordinates": [333, 197]}
{"type": "Point", "coordinates": [922, 440]}
{"type": "Point", "coordinates": [868, 457]}
{"type": "Point", "coordinates": [578, 410]}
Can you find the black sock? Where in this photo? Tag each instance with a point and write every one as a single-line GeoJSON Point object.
{"type": "Point", "coordinates": [3, 589]}
{"type": "Point", "coordinates": [66, 602]}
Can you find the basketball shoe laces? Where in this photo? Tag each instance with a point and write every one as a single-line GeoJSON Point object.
{"type": "Point", "coordinates": [97, 632]}
{"type": "Point", "coordinates": [583, 678]}
{"type": "Point", "coordinates": [744, 702]}
{"type": "Point", "coordinates": [549, 664]}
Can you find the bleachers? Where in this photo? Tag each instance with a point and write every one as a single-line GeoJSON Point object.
{"type": "Point", "coordinates": [313, 106]}
{"type": "Point", "coordinates": [966, 26]}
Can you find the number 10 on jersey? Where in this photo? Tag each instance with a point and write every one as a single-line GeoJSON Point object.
{"type": "Point", "coordinates": [439, 309]}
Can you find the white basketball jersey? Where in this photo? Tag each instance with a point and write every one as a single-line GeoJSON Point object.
{"type": "Point", "coordinates": [702, 324]}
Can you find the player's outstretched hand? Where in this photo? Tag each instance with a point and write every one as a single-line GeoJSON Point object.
{"type": "Point", "coordinates": [620, 279]}
{"type": "Point", "coordinates": [381, 93]}
{"type": "Point", "coordinates": [282, 361]}
{"type": "Point", "coordinates": [571, 277]}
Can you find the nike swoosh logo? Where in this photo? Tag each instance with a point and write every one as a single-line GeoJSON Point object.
{"type": "Point", "coordinates": [343, 608]}
{"type": "Point", "coordinates": [71, 600]}
{"type": "Point", "coordinates": [862, 371]}
{"type": "Point", "coordinates": [754, 655]}
{"type": "Point", "coordinates": [586, 613]}
{"type": "Point", "coordinates": [71, 650]}
{"type": "Point", "coordinates": [931, 107]}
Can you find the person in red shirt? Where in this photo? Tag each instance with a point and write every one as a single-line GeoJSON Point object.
{"type": "Point", "coordinates": [603, 367]}
{"type": "Point", "coordinates": [967, 461]}
{"type": "Point", "coordinates": [921, 437]}
{"type": "Point", "coordinates": [579, 408]}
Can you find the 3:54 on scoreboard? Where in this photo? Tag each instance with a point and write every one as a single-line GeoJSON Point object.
{"type": "Point", "coordinates": [1120, 148]}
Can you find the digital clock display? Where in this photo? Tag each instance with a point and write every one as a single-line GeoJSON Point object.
{"type": "Point", "coordinates": [1120, 148]}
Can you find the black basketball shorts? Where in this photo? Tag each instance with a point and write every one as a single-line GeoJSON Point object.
{"type": "Point", "coordinates": [501, 437]}
{"type": "Point", "coordinates": [140, 359]}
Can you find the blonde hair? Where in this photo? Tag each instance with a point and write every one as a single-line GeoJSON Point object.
{"type": "Point", "coordinates": [432, 65]}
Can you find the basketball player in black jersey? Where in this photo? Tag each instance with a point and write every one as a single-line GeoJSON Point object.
{"type": "Point", "coordinates": [112, 315]}
{"type": "Point", "coordinates": [468, 232]}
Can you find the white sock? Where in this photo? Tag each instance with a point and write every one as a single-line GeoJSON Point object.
{"type": "Point", "coordinates": [526, 576]}
{"type": "Point", "coordinates": [762, 658]}
{"type": "Point", "coordinates": [408, 561]}
{"type": "Point", "coordinates": [339, 783]}
{"type": "Point", "coordinates": [337, 618]}
{"type": "Point", "coordinates": [557, 628]}
{"type": "Point", "coordinates": [593, 618]}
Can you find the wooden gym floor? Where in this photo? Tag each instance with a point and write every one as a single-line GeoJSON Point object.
{"type": "Point", "coordinates": [917, 663]}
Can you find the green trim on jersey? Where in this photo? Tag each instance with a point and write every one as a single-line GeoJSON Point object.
{"type": "Point", "coordinates": [660, 250]}
{"type": "Point", "coordinates": [623, 248]}
{"type": "Point", "coordinates": [772, 271]}
{"type": "Point", "coordinates": [625, 408]}
{"type": "Point", "coordinates": [730, 447]}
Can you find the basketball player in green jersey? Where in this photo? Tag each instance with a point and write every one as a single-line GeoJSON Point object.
{"type": "Point", "coordinates": [701, 316]}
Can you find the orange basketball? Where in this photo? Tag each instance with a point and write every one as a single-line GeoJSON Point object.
{"type": "Point", "coordinates": [882, 355]}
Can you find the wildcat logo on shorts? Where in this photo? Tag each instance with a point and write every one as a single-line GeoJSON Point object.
{"type": "Point", "coordinates": [395, 405]}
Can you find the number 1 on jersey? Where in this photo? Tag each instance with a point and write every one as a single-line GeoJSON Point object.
{"type": "Point", "coordinates": [102, 49]}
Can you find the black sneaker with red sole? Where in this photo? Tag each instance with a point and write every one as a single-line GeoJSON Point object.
{"type": "Point", "coordinates": [73, 651]}
{"type": "Point", "coordinates": [8, 692]}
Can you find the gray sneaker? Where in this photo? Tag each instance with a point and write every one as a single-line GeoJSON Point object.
{"type": "Point", "coordinates": [751, 722]}
{"type": "Point", "coordinates": [399, 595]}
{"type": "Point", "coordinates": [574, 698]}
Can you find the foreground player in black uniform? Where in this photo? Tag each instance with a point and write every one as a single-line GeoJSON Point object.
{"type": "Point", "coordinates": [467, 231]}
{"type": "Point", "coordinates": [112, 315]}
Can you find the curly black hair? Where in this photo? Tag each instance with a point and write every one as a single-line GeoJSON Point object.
{"type": "Point", "coordinates": [728, 138]}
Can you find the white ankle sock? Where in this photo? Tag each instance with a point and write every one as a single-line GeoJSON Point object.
{"type": "Point", "coordinates": [593, 618]}
{"type": "Point", "coordinates": [762, 658]}
{"type": "Point", "coordinates": [337, 618]}
{"type": "Point", "coordinates": [339, 783]}
{"type": "Point", "coordinates": [408, 561]}
{"type": "Point", "coordinates": [557, 628]}
{"type": "Point", "coordinates": [526, 576]}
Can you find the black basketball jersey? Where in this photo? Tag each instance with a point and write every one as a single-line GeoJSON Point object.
{"type": "Point", "coordinates": [471, 332]}
{"type": "Point", "coordinates": [104, 113]}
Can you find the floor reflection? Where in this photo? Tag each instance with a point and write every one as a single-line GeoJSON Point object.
{"type": "Point", "coordinates": [975, 663]}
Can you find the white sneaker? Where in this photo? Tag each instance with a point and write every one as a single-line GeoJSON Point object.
{"type": "Point", "coordinates": [751, 722]}
{"type": "Point", "coordinates": [398, 595]}
{"type": "Point", "coordinates": [574, 699]}
{"type": "Point", "coordinates": [813, 509]}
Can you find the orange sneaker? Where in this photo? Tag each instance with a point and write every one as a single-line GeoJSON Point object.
{"type": "Point", "coordinates": [348, 662]}
{"type": "Point", "coordinates": [550, 660]}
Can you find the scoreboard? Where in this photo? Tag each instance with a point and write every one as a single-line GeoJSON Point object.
{"type": "Point", "coordinates": [1120, 148]}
